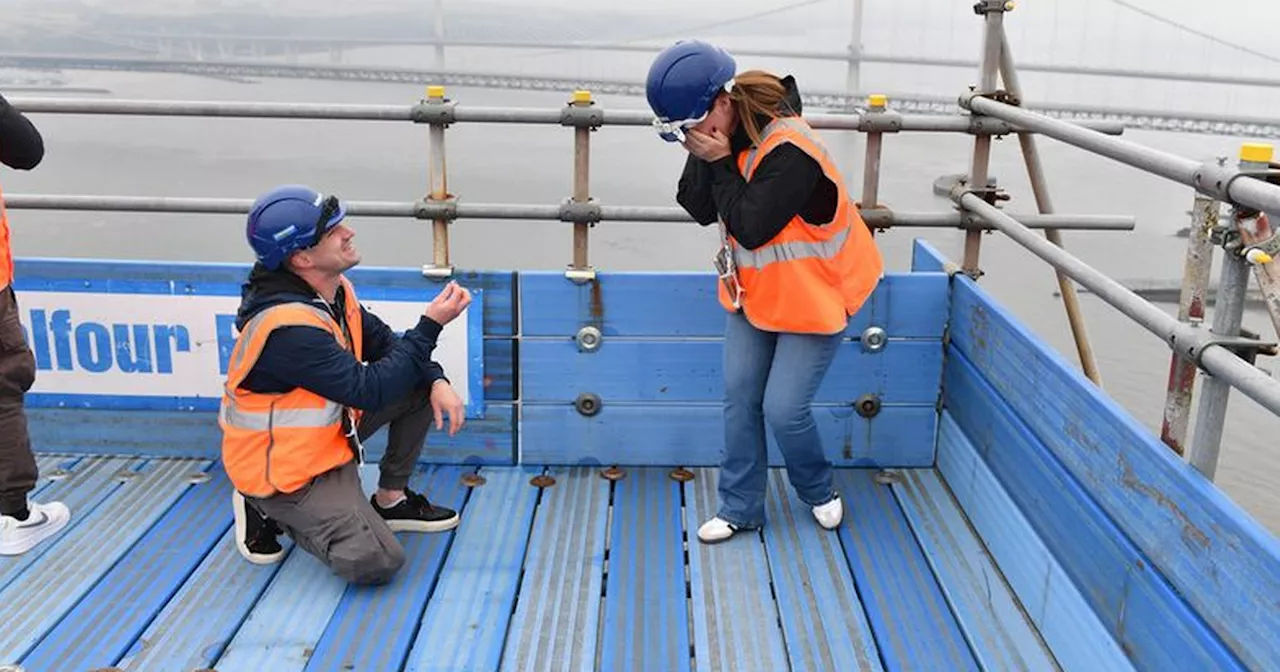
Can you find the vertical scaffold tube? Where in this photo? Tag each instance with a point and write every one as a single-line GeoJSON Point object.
{"type": "Point", "coordinates": [1195, 282]}
{"type": "Point", "coordinates": [438, 183]}
{"type": "Point", "coordinates": [1040, 189]}
{"type": "Point", "coordinates": [993, 13]}
{"type": "Point", "coordinates": [1228, 317]}
{"type": "Point", "coordinates": [1260, 243]}
{"type": "Point", "coordinates": [581, 182]}
{"type": "Point", "coordinates": [871, 170]}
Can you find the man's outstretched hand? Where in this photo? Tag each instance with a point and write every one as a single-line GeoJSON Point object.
{"type": "Point", "coordinates": [445, 400]}
{"type": "Point", "coordinates": [449, 303]}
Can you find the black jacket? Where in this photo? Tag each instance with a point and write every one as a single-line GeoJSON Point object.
{"type": "Point", "coordinates": [21, 146]}
{"type": "Point", "coordinates": [310, 358]}
{"type": "Point", "coordinates": [786, 182]}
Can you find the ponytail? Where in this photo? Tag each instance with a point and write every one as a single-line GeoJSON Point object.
{"type": "Point", "coordinates": [757, 93]}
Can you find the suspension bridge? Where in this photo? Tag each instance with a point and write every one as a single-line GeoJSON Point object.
{"type": "Point", "coordinates": [1247, 72]}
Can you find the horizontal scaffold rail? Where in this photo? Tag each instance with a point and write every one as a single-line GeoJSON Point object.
{"type": "Point", "coordinates": [1163, 120]}
{"type": "Point", "coordinates": [454, 113]}
{"type": "Point", "coordinates": [880, 218]}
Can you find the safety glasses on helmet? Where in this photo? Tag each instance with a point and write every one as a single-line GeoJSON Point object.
{"type": "Point", "coordinates": [673, 131]}
{"type": "Point", "coordinates": [330, 208]}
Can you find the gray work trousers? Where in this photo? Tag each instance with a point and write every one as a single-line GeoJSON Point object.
{"type": "Point", "coordinates": [18, 471]}
{"type": "Point", "coordinates": [331, 517]}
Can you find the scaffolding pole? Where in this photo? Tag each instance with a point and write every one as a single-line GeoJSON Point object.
{"type": "Point", "coordinates": [1040, 189]}
{"type": "Point", "coordinates": [438, 188]}
{"type": "Point", "coordinates": [992, 12]}
{"type": "Point", "coordinates": [1195, 282]}
{"type": "Point", "coordinates": [579, 116]}
{"type": "Point", "coordinates": [1212, 353]}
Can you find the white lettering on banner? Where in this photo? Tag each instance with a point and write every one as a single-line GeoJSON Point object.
{"type": "Point", "coordinates": [162, 345]}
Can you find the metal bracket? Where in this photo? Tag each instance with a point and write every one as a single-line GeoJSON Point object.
{"type": "Point", "coordinates": [888, 121]}
{"type": "Point", "coordinates": [433, 209]}
{"type": "Point", "coordinates": [1270, 246]}
{"type": "Point", "coordinates": [1192, 342]}
{"type": "Point", "coordinates": [437, 272]}
{"type": "Point", "coordinates": [581, 276]}
{"type": "Point", "coordinates": [1000, 96]}
{"type": "Point", "coordinates": [983, 7]}
{"type": "Point", "coordinates": [991, 195]}
{"type": "Point", "coordinates": [577, 211]}
{"type": "Point", "coordinates": [434, 112]}
{"type": "Point", "coordinates": [582, 116]}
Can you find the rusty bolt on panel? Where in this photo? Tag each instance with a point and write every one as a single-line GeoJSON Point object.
{"type": "Point", "coordinates": [613, 474]}
{"type": "Point", "coordinates": [472, 480]}
{"type": "Point", "coordinates": [885, 477]}
{"type": "Point", "coordinates": [126, 475]}
{"type": "Point", "coordinates": [55, 475]}
{"type": "Point", "coordinates": [681, 474]}
{"type": "Point", "coordinates": [542, 481]}
{"type": "Point", "coordinates": [198, 477]}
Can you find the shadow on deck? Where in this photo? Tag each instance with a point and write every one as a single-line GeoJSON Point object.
{"type": "Point", "coordinates": [583, 574]}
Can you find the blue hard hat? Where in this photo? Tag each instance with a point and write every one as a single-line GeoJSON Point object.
{"type": "Point", "coordinates": [684, 80]}
{"type": "Point", "coordinates": [289, 218]}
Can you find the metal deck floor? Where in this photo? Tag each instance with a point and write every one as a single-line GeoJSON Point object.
{"type": "Point", "coordinates": [585, 574]}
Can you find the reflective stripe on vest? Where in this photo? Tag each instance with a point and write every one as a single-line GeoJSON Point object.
{"type": "Point", "coordinates": [325, 416]}
{"type": "Point", "coordinates": [6, 250]}
{"type": "Point", "coordinates": [771, 254]}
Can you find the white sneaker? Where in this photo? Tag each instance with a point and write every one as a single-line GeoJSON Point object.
{"type": "Point", "coordinates": [43, 521]}
{"type": "Point", "coordinates": [716, 530]}
{"type": "Point", "coordinates": [829, 514]}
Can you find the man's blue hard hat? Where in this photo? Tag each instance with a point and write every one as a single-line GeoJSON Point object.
{"type": "Point", "coordinates": [684, 80]}
{"type": "Point", "coordinates": [289, 218]}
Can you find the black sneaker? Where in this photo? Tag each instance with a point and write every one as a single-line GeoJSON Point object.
{"type": "Point", "coordinates": [255, 535]}
{"type": "Point", "coordinates": [415, 514]}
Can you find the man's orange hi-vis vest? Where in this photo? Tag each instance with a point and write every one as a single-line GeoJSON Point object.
{"type": "Point", "coordinates": [811, 276]}
{"type": "Point", "coordinates": [273, 443]}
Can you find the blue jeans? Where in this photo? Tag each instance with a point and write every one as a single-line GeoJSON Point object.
{"type": "Point", "coordinates": [771, 377]}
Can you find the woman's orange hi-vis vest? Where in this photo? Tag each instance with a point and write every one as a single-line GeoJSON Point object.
{"type": "Point", "coordinates": [811, 276]}
{"type": "Point", "coordinates": [274, 443]}
{"type": "Point", "coordinates": [6, 251]}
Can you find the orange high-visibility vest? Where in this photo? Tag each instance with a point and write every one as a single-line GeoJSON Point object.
{"type": "Point", "coordinates": [6, 251]}
{"type": "Point", "coordinates": [274, 443]}
{"type": "Point", "coordinates": [813, 275]}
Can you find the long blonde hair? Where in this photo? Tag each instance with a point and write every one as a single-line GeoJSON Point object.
{"type": "Point", "coordinates": [757, 92]}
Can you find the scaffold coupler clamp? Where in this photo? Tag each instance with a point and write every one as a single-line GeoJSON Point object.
{"type": "Point", "coordinates": [984, 7]}
{"type": "Point", "coordinates": [1193, 342]}
{"type": "Point", "coordinates": [435, 109]}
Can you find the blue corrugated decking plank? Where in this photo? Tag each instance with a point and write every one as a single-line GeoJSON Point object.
{"type": "Point", "coordinates": [557, 617]}
{"type": "Point", "coordinates": [825, 626]}
{"type": "Point", "coordinates": [646, 620]}
{"type": "Point", "coordinates": [912, 622]}
{"type": "Point", "coordinates": [372, 627]}
{"type": "Point", "coordinates": [466, 620]}
{"type": "Point", "coordinates": [109, 619]}
{"type": "Point", "coordinates": [735, 618]}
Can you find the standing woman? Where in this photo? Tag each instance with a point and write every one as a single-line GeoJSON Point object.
{"type": "Point", "coordinates": [796, 260]}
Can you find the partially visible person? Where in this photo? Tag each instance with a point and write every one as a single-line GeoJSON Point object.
{"type": "Point", "coordinates": [23, 523]}
{"type": "Point", "coordinates": [796, 260]}
{"type": "Point", "coordinates": [311, 376]}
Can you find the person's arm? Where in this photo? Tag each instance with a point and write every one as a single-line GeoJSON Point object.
{"type": "Point", "coordinates": [21, 145]}
{"type": "Point", "coordinates": [310, 358]}
{"type": "Point", "coordinates": [758, 210]}
{"type": "Point", "coordinates": [694, 191]}
{"type": "Point", "coordinates": [380, 339]}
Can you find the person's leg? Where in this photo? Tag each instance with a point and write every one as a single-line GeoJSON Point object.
{"type": "Point", "coordinates": [800, 363]}
{"type": "Point", "coordinates": [331, 519]}
{"type": "Point", "coordinates": [23, 523]}
{"type": "Point", "coordinates": [744, 462]}
{"type": "Point", "coordinates": [410, 419]}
